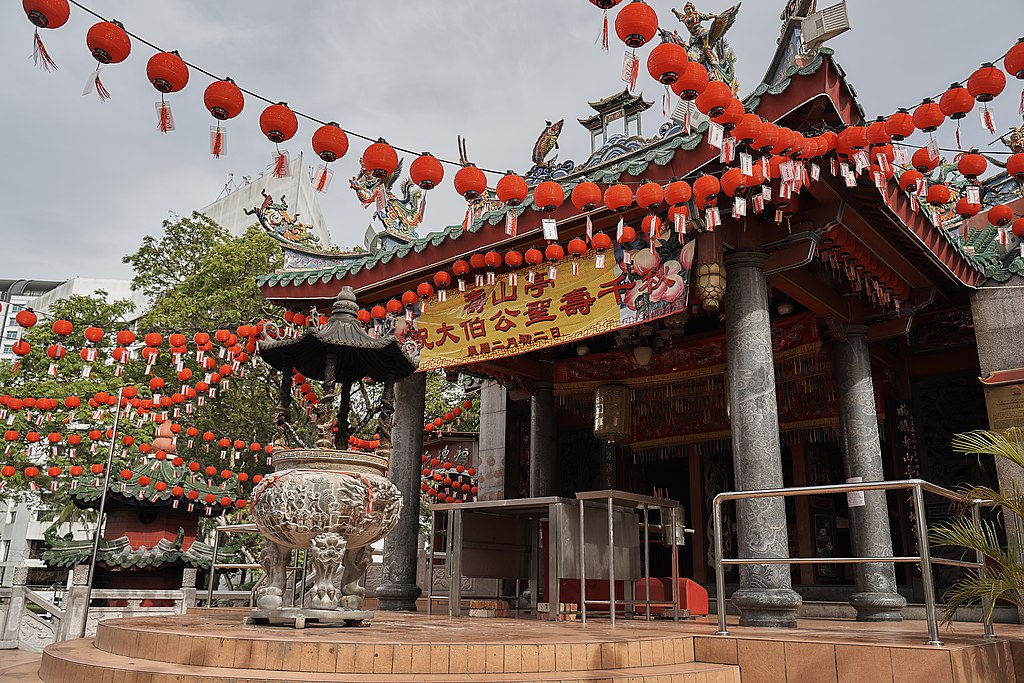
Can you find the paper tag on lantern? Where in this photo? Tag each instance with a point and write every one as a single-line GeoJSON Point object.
{"type": "Point", "coordinates": [739, 207]}
{"type": "Point", "coordinates": [901, 156]}
{"type": "Point", "coordinates": [550, 228]}
{"type": "Point", "coordinates": [921, 188]}
{"type": "Point", "coordinates": [716, 134]}
{"type": "Point", "coordinates": [914, 206]}
{"type": "Point", "coordinates": [590, 229]}
{"type": "Point", "coordinates": [1003, 238]}
{"type": "Point", "coordinates": [478, 280]}
{"type": "Point", "coordinates": [442, 295]}
{"type": "Point", "coordinates": [862, 161]}
{"type": "Point", "coordinates": [627, 257]}
{"type": "Point", "coordinates": [323, 178]}
{"type": "Point", "coordinates": [531, 277]}
{"type": "Point", "coordinates": [786, 171]}
{"type": "Point", "coordinates": [218, 141]}
{"type": "Point", "coordinates": [879, 181]}
{"type": "Point", "coordinates": [552, 272]}
{"type": "Point", "coordinates": [461, 284]}
{"type": "Point", "coordinates": [766, 193]}
{"type": "Point", "coordinates": [785, 191]}
{"type": "Point", "coordinates": [815, 172]}
{"type": "Point", "coordinates": [630, 66]}
{"type": "Point", "coordinates": [933, 148]}
{"type": "Point", "coordinates": [758, 203]}
{"type": "Point", "coordinates": [618, 229]}
{"type": "Point", "coordinates": [883, 163]}
{"type": "Point", "coordinates": [679, 218]}
{"type": "Point", "coordinates": [746, 164]}
{"type": "Point", "coordinates": [974, 194]}
{"type": "Point", "coordinates": [599, 260]}
{"type": "Point", "coordinates": [714, 218]}
{"type": "Point", "coordinates": [490, 277]}
{"type": "Point", "coordinates": [833, 167]}
{"type": "Point", "coordinates": [687, 116]}
{"type": "Point", "coordinates": [851, 178]}
{"type": "Point", "coordinates": [728, 152]}
{"type": "Point", "coordinates": [511, 224]}
{"type": "Point", "coordinates": [513, 279]}
{"type": "Point", "coordinates": [575, 268]}
{"type": "Point", "coordinates": [165, 120]}
{"type": "Point", "coordinates": [281, 165]}
{"type": "Point", "coordinates": [987, 121]}
{"type": "Point", "coordinates": [778, 215]}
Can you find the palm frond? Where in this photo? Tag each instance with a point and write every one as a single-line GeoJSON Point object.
{"type": "Point", "coordinates": [1006, 445]}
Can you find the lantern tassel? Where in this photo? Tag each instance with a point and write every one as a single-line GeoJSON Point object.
{"type": "Point", "coordinates": [666, 103]}
{"type": "Point", "coordinates": [987, 120]}
{"type": "Point", "coordinates": [165, 121]}
{"type": "Point", "coordinates": [511, 224]}
{"type": "Point", "coordinates": [40, 57]}
{"type": "Point", "coordinates": [958, 145]}
{"type": "Point", "coordinates": [323, 178]}
{"type": "Point", "coordinates": [281, 164]}
{"type": "Point", "coordinates": [1022, 103]}
{"type": "Point", "coordinates": [218, 143]}
{"type": "Point", "coordinates": [604, 32]}
{"type": "Point", "coordinates": [94, 83]}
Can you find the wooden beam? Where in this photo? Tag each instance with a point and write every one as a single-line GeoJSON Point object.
{"type": "Point", "coordinates": [812, 292]}
{"type": "Point", "coordinates": [516, 366]}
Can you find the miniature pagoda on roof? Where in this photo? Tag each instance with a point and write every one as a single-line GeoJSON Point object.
{"type": "Point", "coordinates": [622, 105]}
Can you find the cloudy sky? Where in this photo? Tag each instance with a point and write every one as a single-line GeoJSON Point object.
{"type": "Point", "coordinates": [86, 180]}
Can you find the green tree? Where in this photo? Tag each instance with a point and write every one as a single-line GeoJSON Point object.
{"type": "Point", "coordinates": [163, 262]}
{"type": "Point", "coordinates": [1003, 577]}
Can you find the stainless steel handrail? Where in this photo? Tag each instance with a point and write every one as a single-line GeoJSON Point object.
{"type": "Point", "coordinates": [918, 486]}
{"type": "Point", "coordinates": [214, 565]}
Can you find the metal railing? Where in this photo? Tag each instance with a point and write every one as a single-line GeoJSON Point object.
{"type": "Point", "coordinates": [918, 486]}
{"type": "Point", "coordinates": [298, 587]}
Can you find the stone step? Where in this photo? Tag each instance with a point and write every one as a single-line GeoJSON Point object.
{"type": "Point", "coordinates": [80, 661]}
{"type": "Point", "coordinates": [417, 646]}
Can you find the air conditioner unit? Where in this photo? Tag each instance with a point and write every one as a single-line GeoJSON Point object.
{"type": "Point", "coordinates": [824, 25]}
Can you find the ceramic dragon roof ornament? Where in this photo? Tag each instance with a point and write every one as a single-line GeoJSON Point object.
{"type": "Point", "coordinates": [708, 46]}
{"type": "Point", "coordinates": [275, 219]}
{"type": "Point", "coordinates": [400, 214]}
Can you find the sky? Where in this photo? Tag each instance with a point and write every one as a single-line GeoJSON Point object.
{"type": "Point", "coordinates": [86, 180]}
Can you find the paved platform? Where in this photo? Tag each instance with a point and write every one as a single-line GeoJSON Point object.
{"type": "Point", "coordinates": [214, 645]}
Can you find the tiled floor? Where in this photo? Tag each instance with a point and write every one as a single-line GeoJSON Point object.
{"type": "Point", "coordinates": [215, 645]}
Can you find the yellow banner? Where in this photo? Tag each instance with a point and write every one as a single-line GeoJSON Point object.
{"type": "Point", "coordinates": [542, 306]}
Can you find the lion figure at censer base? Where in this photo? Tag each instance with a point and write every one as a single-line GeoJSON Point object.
{"type": "Point", "coordinates": [335, 513]}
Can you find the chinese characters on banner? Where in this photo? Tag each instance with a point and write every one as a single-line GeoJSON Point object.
{"type": "Point", "coordinates": [505, 319]}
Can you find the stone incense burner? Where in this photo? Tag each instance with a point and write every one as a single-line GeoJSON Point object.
{"type": "Point", "coordinates": [329, 500]}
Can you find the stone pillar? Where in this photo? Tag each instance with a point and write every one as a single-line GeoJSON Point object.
{"type": "Point", "coordinates": [765, 596]}
{"type": "Point", "coordinates": [493, 436]}
{"type": "Point", "coordinates": [999, 331]}
{"type": "Point", "coordinates": [398, 590]}
{"type": "Point", "coordinates": [75, 621]}
{"type": "Point", "coordinates": [11, 633]}
{"type": "Point", "coordinates": [876, 598]}
{"type": "Point", "coordinates": [543, 442]}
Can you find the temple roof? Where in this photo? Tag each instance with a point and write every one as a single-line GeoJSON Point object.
{"type": "Point", "coordinates": [118, 554]}
{"type": "Point", "coordinates": [87, 488]}
{"type": "Point", "coordinates": [624, 101]}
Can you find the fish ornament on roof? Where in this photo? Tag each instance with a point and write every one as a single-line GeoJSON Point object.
{"type": "Point", "coordinates": [547, 141]}
{"type": "Point", "coordinates": [708, 46]}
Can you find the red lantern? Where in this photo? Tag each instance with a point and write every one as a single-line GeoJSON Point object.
{"type": "Point", "coordinates": [26, 318]}
{"type": "Point", "coordinates": [108, 42]}
{"type": "Point", "coordinates": [971, 165]}
{"type": "Point", "coordinates": [477, 261]}
{"type": "Point", "coordinates": [715, 98]}
{"type": "Point", "coordinates": [425, 290]}
{"type": "Point", "coordinates": [442, 280]}
{"type": "Point", "coordinates": [877, 134]}
{"type": "Point", "coordinates": [928, 116]}
{"type": "Point", "coordinates": [627, 235]}
{"type": "Point", "coordinates": [986, 83]}
{"type": "Point", "coordinates": [1000, 215]}
{"type": "Point", "coordinates": [577, 247]}
{"type": "Point", "coordinates": [223, 99]}
{"type": "Point", "coordinates": [601, 242]}
{"type": "Point", "coordinates": [330, 142]}
{"type": "Point", "coordinates": [956, 102]}
{"type": "Point", "coordinates": [706, 189]}
{"type": "Point", "coordinates": [1015, 166]}
{"type": "Point", "coordinates": [636, 24]}
{"type": "Point", "coordinates": [678, 192]}
{"type": "Point", "coordinates": [586, 196]}
{"type": "Point", "coordinates": [923, 161]}
{"type": "Point", "coordinates": [409, 298]}
{"type": "Point", "coordinates": [618, 197]}
{"type": "Point", "coordinates": [470, 182]}
{"type": "Point", "coordinates": [31, 472]}
{"type": "Point", "coordinates": [966, 209]}
{"type": "Point", "coordinates": [154, 339]}
{"type": "Point", "coordinates": [900, 125]}
{"type": "Point", "coordinates": [938, 195]}
{"type": "Point", "coordinates": [666, 62]}
{"type": "Point", "coordinates": [732, 115]}
{"type": "Point", "coordinates": [394, 306]}
{"type": "Point", "coordinates": [692, 82]}
{"type": "Point", "coordinates": [733, 181]}
{"type": "Point", "coordinates": [649, 196]}
{"type": "Point", "coordinates": [1018, 227]}
{"type": "Point", "coordinates": [47, 13]}
{"type": "Point", "coordinates": [748, 128]}
{"type": "Point", "coordinates": [62, 328]}
{"type": "Point", "coordinates": [167, 72]}
{"type": "Point", "coordinates": [548, 195]}
{"type": "Point", "coordinates": [278, 122]}
{"type": "Point", "coordinates": [554, 252]}
{"type": "Point", "coordinates": [378, 312]}
{"type": "Point", "coordinates": [909, 180]}
{"type": "Point", "coordinates": [380, 159]}
{"type": "Point", "coordinates": [426, 171]}
{"type": "Point", "coordinates": [460, 268]}
{"type": "Point", "coordinates": [1013, 62]}
{"type": "Point", "coordinates": [513, 259]}
{"type": "Point", "coordinates": [533, 256]}
{"type": "Point", "coordinates": [467, 404]}
{"type": "Point", "coordinates": [512, 189]}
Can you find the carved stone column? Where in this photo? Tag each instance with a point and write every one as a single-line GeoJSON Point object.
{"type": "Point", "coordinates": [398, 590]}
{"type": "Point", "coordinates": [765, 596]}
{"type": "Point", "coordinates": [543, 446]}
{"type": "Point", "coordinates": [876, 598]}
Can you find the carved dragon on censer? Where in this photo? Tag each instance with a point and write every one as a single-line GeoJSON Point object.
{"type": "Point", "coordinates": [400, 215]}
{"type": "Point", "coordinates": [275, 219]}
{"type": "Point", "coordinates": [708, 46]}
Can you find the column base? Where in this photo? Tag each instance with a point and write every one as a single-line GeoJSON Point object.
{"type": "Point", "coordinates": [767, 607]}
{"type": "Point", "coordinates": [878, 606]}
{"type": "Point", "coordinates": [398, 597]}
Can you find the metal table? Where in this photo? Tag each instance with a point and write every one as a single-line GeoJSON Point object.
{"type": "Point", "coordinates": [672, 536]}
{"type": "Point", "coordinates": [499, 539]}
